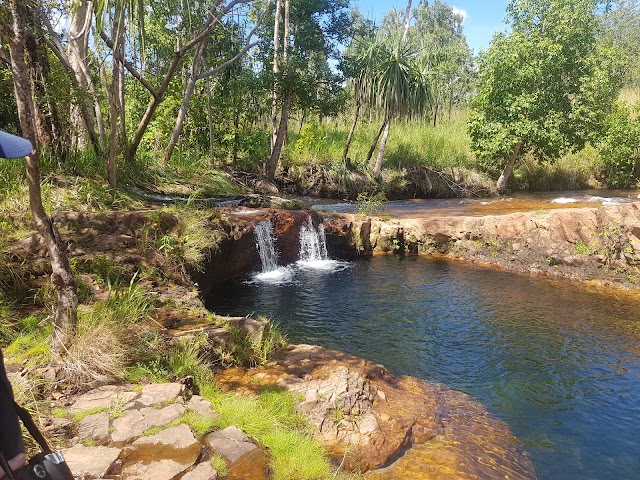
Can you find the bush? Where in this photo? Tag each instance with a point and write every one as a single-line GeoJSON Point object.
{"type": "Point", "coordinates": [620, 148]}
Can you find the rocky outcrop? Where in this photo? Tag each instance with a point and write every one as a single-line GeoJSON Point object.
{"type": "Point", "coordinates": [237, 253]}
{"type": "Point", "coordinates": [578, 243]}
{"type": "Point", "coordinates": [391, 426]}
{"type": "Point", "coordinates": [143, 436]}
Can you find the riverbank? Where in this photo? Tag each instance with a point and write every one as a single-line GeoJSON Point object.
{"type": "Point", "coordinates": [142, 322]}
{"type": "Point", "coordinates": [597, 244]}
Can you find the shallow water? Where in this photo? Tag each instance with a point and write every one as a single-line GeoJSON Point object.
{"type": "Point", "coordinates": [423, 208]}
{"type": "Point", "coordinates": [559, 363]}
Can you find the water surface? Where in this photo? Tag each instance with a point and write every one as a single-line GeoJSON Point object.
{"type": "Point", "coordinates": [559, 363]}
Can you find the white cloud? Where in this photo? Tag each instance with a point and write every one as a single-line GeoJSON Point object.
{"type": "Point", "coordinates": [462, 12]}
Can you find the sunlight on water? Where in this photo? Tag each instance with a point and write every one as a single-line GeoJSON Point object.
{"type": "Point", "coordinates": [558, 362]}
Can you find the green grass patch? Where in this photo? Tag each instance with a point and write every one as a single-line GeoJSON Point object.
{"type": "Point", "coordinates": [30, 348]}
{"type": "Point", "coordinates": [271, 419]}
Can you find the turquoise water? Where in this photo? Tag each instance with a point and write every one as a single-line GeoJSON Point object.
{"type": "Point", "coordinates": [560, 364]}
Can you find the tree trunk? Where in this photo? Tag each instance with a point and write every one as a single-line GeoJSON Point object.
{"type": "Point", "coordinates": [407, 21]}
{"type": "Point", "coordinates": [210, 121]}
{"type": "Point", "coordinates": [501, 184]}
{"type": "Point", "coordinates": [282, 133]}
{"type": "Point", "coordinates": [115, 109]}
{"type": "Point", "coordinates": [274, 94]}
{"type": "Point", "coordinates": [78, 51]}
{"type": "Point", "coordinates": [375, 142]}
{"type": "Point", "coordinates": [65, 316]}
{"type": "Point", "coordinates": [345, 157]}
{"type": "Point", "coordinates": [436, 107]}
{"type": "Point", "coordinates": [377, 168]}
{"type": "Point", "coordinates": [184, 108]}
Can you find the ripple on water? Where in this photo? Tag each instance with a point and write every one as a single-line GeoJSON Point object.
{"type": "Point", "coordinates": [559, 363]}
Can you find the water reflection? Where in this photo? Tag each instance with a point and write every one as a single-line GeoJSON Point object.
{"type": "Point", "coordinates": [559, 363]}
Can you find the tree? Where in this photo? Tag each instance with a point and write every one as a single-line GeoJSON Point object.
{"type": "Point", "coordinates": [623, 25]}
{"type": "Point", "coordinates": [65, 316]}
{"type": "Point", "coordinates": [316, 30]}
{"type": "Point", "coordinates": [546, 87]}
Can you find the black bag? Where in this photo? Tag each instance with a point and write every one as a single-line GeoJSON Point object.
{"type": "Point", "coordinates": [47, 465]}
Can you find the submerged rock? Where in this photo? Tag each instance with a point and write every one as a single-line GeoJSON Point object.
{"type": "Point", "coordinates": [394, 427]}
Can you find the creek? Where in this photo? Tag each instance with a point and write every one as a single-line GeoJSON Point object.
{"type": "Point", "coordinates": [558, 362]}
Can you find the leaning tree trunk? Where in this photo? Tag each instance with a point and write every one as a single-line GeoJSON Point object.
{"type": "Point", "coordinates": [65, 316]}
{"type": "Point", "coordinates": [282, 133]}
{"type": "Point", "coordinates": [501, 184]}
{"type": "Point", "coordinates": [345, 157]}
{"type": "Point", "coordinates": [377, 168]}
{"type": "Point", "coordinates": [184, 108]}
{"type": "Point", "coordinates": [375, 142]}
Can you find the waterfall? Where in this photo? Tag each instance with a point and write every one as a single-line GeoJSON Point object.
{"type": "Point", "coordinates": [265, 242]}
{"type": "Point", "coordinates": [313, 243]}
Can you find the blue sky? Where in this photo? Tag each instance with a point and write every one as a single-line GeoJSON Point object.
{"type": "Point", "coordinates": [482, 17]}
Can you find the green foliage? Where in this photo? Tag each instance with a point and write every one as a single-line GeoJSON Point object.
{"type": "Point", "coordinates": [30, 348]}
{"type": "Point", "coordinates": [370, 203]}
{"type": "Point", "coordinates": [219, 464]}
{"type": "Point", "coordinates": [547, 85]}
{"type": "Point", "coordinates": [271, 418]}
{"type": "Point", "coordinates": [187, 359]}
{"type": "Point", "coordinates": [620, 148]}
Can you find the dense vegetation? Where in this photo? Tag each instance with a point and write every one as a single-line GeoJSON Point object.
{"type": "Point", "coordinates": [206, 98]}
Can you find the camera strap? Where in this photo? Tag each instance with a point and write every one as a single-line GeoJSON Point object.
{"type": "Point", "coordinates": [6, 468]}
{"type": "Point", "coordinates": [27, 421]}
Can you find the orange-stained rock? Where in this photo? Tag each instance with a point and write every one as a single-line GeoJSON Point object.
{"type": "Point", "coordinates": [395, 427]}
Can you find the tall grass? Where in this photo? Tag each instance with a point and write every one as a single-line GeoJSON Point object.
{"type": "Point", "coordinates": [409, 144]}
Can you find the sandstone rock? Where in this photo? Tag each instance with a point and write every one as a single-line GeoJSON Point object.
{"type": "Point", "coordinates": [103, 397]}
{"type": "Point", "coordinates": [202, 407]}
{"type": "Point", "coordinates": [162, 456]}
{"type": "Point", "coordinates": [90, 461]}
{"type": "Point", "coordinates": [203, 471]}
{"type": "Point", "coordinates": [95, 427]}
{"type": "Point", "coordinates": [135, 422]}
{"type": "Point", "coordinates": [231, 443]}
{"type": "Point", "coordinates": [159, 393]}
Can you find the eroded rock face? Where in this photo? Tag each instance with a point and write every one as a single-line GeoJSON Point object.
{"type": "Point", "coordinates": [395, 427]}
{"type": "Point", "coordinates": [237, 254]}
{"type": "Point", "coordinates": [575, 243]}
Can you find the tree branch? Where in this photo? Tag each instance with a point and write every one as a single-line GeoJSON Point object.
{"type": "Point", "coordinates": [129, 66]}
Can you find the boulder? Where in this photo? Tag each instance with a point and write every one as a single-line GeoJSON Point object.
{"type": "Point", "coordinates": [103, 397]}
{"type": "Point", "coordinates": [93, 462]}
{"type": "Point", "coordinates": [135, 422]}
{"type": "Point", "coordinates": [162, 456]}
{"type": "Point", "coordinates": [231, 443]}
{"type": "Point", "coordinates": [203, 471]}
{"type": "Point", "coordinates": [95, 427]}
{"type": "Point", "coordinates": [160, 393]}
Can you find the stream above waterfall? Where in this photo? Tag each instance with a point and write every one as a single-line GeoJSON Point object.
{"type": "Point", "coordinates": [559, 363]}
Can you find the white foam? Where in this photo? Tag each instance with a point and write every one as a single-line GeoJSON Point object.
{"type": "Point", "coordinates": [563, 200]}
{"type": "Point", "coordinates": [324, 265]}
{"type": "Point", "coordinates": [279, 275]}
{"type": "Point", "coordinates": [605, 200]}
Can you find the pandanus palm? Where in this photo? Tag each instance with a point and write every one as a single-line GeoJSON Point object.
{"type": "Point", "coordinates": [400, 89]}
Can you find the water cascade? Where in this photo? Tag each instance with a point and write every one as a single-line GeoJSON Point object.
{"type": "Point", "coordinates": [313, 243]}
{"type": "Point", "coordinates": [265, 242]}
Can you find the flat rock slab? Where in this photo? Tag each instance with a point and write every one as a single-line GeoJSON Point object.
{"type": "Point", "coordinates": [231, 443]}
{"type": "Point", "coordinates": [95, 427]}
{"type": "Point", "coordinates": [203, 471]}
{"type": "Point", "coordinates": [160, 393]}
{"type": "Point", "coordinates": [103, 397]}
{"type": "Point", "coordinates": [93, 462]}
{"type": "Point", "coordinates": [202, 407]}
{"type": "Point", "coordinates": [161, 456]}
{"type": "Point", "coordinates": [135, 422]}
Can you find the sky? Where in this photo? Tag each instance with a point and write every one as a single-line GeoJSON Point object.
{"type": "Point", "coordinates": [482, 18]}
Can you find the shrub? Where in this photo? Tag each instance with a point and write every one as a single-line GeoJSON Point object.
{"type": "Point", "coordinates": [620, 148]}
